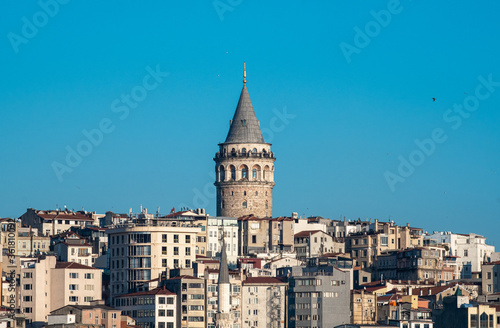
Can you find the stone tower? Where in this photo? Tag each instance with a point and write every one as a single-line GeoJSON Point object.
{"type": "Point", "coordinates": [244, 165]}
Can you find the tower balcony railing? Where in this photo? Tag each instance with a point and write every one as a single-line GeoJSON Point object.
{"type": "Point", "coordinates": [244, 155]}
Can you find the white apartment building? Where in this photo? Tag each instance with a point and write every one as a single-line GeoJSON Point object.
{"type": "Point", "coordinates": [471, 249]}
{"type": "Point", "coordinates": [139, 253]}
{"type": "Point", "coordinates": [47, 285]}
{"type": "Point", "coordinates": [229, 228]}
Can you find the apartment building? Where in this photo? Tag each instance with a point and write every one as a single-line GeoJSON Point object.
{"type": "Point", "coordinates": [417, 263]}
{"type": "Point", "coordinates": [85, 315]}
{"type": "Point", "coordinates": [156, 308]}
{"type": "Point", "coordinates": [317, 300]}
{"type": "Point", "coordinates": [263, 302]}
{"type": "Point", "coordinates": [53, 222]}
{"type": "Point", "coordinates": [281, 231]}
{"type": "Point", "coordinates": [381, 236]}
{"type": "Point", "coordinates": [490, 278]}
{"type": "Point", "coordinates": [254, 235]}
{"type": "Point", "coordinates": [315, 243]}
{"type": "Point", "coordinates": [364, 307]}
{"type": "Point", "coordinates": [471, 249]}
{"type": "Point", "coordinates": [212, 293]}
{"type": "Point", "coordinates": [95, 236]}
{"type": "Point", "coordinates": [190, 300]}
{"type": "Point", "coordinates": [47, 285]}
{"type": "Point", "coordinates": [74, 250]}
{"type": "Point", "coordinates": [218, 227]}
{"type": "Point", "coordinates": [139, 253]}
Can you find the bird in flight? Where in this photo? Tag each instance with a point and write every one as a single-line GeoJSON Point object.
{"type": "Point", "coordinates": [433, 99]}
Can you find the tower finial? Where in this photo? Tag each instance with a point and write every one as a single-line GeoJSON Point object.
{"type": "Point", "coordinates": [244, 73]}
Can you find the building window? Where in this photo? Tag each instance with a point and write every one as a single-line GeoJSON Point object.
{"type": "Point", "coordinates": [188, 263]}
{"type": "Point", "coordinates": [254, 239]}
{"type": "Point", "coordinates": [73, 275]}
{"type": "Point", "coordinates": [164, 250]}
{"type": "Point", "coordinates": [176, 250]}
{"type": "Point", "coordinates": [89, 276]}
{"type": "Point", "coordinates": [254, 174]}
{"type": "Point", "coordinates": [233, 173]}
{"type": "Point", "coordinates": [244, 205]}
{"type": "Point", "coordinates": [164, 263]}
{"type": "Point", "coordinates": [244, 173]}
{"type": "Point", "coordinates": [164, 238]}
{"type": "Point", "coordinates": [188, 239]}
{"type": "Point", "coordinates": [73, 298]}
{"type": "Point", "coordinates": [176, 239]}
{"type": "Point", "coordinates": [188, 251]}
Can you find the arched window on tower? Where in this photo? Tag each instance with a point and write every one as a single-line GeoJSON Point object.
{"type": "Point", "coordinates": [244, 151]}
{"type": "Point", "coordinates": [254, 152]}
{"type": "Point", "coordinates": [233, 152]}
{"type": "Point", "coordinates": [254, 173]}
{"type": "Point", "coordinates": [233, 173]}
{"type": "Point", "coordinates": [244, 173]}
{"type": "Point", "coordinates": [244, 193]}
{"type": "Point", "coordinates": [244, 205]}
{"type": "Point", "coordinates": [267, 205]}
{"type": "Point", "coordinates": [222, 173]}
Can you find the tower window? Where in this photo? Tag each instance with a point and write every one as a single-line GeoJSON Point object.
{"type": "Point", "coordinates": [244, 193]}
{"type": "Point", "coordinates": [267, 205]}
{"type": "Point", "coordinates": [244, 151]}
{"type": "Point", "coordinates": [254, 173]}
{"type": "Point", "coordinates": [224, 204]}
{"type": "Point", "coordinates": [222, 173]}
{"type": "Point", "coordinates": [232, 193]}
{"type": "Point", "coordinates": [233, 173]}
{"type": "Point", "coordinates": [256, 193]}
{"type": "Point", "coordinates": [244, 173]}
{"type": "Point", "coordinates": [244, 204]}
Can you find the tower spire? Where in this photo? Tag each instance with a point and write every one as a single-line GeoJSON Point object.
{"type": "Point", "coordinates": [244, 73]}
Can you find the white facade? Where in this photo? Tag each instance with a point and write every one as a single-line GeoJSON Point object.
{"type": "Point", "coordinates": [229, 226]}
{"type": "Point", "coordinates": [471, 249]}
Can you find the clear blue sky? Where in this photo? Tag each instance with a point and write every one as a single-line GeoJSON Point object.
{"type": "Point", "coordinates": [356, 115]}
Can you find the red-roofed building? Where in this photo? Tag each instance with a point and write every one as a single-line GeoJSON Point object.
{"type": "Point", "coordinates": [52, 222]}
{"type": "Point", "coordinates": [47, 285]}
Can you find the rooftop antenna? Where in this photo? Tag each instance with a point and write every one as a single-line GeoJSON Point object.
{"type": "Point", "coordinates": [158, 212]}
{"type": "Point", "coordinates": [244, 73]}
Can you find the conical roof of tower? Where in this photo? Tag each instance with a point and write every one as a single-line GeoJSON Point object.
{"type": "Point", "coordinates": [223, 269]}
{"type": "Point", "coordinates": [245, 127]}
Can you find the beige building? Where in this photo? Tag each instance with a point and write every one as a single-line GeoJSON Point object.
{"type": "Point", "coordinates": [263, 302]}
{"type": "Point", "coordinates": [85, 315]}
{"type": "Point", "coordinates": [244, 166]}
{"type": "Point", "coordinates": [48, 285]}
{"type": "Point", "coordinates": [190, 300]}
{"type": "Point", "coordinates": [363, 307]}
{"type": "Point", "coordinates": [316, 243]}
{"type": "Point", "coordinates": [139, 253]}
{"type": "Point", "coordinates": [381, 236]}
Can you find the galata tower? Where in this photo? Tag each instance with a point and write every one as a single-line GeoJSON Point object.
{"type": "Point", "coordinates": [244, 165]}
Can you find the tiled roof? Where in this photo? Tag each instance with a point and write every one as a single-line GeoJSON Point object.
{"type": "Point", "coordinates": [64, 216]}
{"type": "Point", "coordinates": [307, 233]}
{"type": "Point", "coordinates": [73, 265]}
